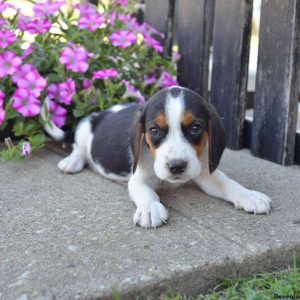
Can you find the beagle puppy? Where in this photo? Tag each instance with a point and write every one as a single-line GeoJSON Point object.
{"type": "Point", "coordinates": [175, 137]}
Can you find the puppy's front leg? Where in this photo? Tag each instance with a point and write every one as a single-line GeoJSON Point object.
{"type": "Point", "coordinates": [219, 185]}
{"type": "Point", "coordinates": [150, 212]}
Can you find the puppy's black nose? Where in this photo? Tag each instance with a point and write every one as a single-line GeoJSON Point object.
{"type": "Point", "coordinates": [177, 166]}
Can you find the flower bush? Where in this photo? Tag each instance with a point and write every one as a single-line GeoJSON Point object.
{"type": "Point", "coordinates": [74, 62]}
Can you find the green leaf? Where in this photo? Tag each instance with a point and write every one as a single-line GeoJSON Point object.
{"type": "Point", "coordinates": [37, 140]}
{"type": "Point", "coordinates": [54, 77]}
{"type": "Point", "coordinates": [30, 127]}
{"type": "Point", "coordinates": [78, 112]}
{"type": "Point", "coordinates": [18, 128]}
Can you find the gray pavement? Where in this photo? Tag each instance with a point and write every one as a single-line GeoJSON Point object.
{"type": "Point", "coordinates": [72, 237]}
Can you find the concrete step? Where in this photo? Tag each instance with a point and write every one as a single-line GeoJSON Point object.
{"type": "Point", "coordinates": [72, 236]}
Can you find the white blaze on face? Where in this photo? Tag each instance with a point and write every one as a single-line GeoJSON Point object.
{"type": "Point", "coordinates": [175, 146]}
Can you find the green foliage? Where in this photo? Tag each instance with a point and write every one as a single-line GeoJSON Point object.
{"type": "Point", "coordinates": [12, 152]}
{"type": "Point", "coordinates": [132, 63]}
{"type": "Point", "coordinates": [258, 287]}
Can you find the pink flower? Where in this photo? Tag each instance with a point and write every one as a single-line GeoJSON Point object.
{"type": "Point", "coordinates": [27, 52]}
{"type": "Point", "coordinates": [130, 22]}
{"type": "Point", "coordinates": [58, 114]}
{"type": "Point", "coordinates": [67, 90]}
{"type": "Point", "coordinates": [175, 56]}
{"type": "Point", "coordinates": [123, 2]}
{"type": "Point", "coordinates": [2, 111]}
{"type": "Point", "coordinates": [166, 80]}
{"type": "Point", "coordinates": [34, 26]}
{"type": "Point", "coordinates": [86, 9]}
{"type": "Point", "coordinates": [53, 91]}
{"type": "Point", "coordinates": [91, 22]}
{"type": "Point", "coordinates": [105, 74]}
{"type": "Point", "coordinates": [131, 91]}
{"type": "Point", "coordinates": [153, 30]}
{"type": "Point", "coordinates": [26, 149]}
{"type": "Point", "coordinates": [89, 17]}
{"type": "Point", "coordinates": [23, 21]}
{"type": "Point", "coordinates": [4, 23]}
{"type": "Point", "coordinates": [47, 8]}
{"type": "Point", "coordinates": [40, 26]}
{"type": "Point", "coordinates": [112, 18]}
{"type": "Point", "coordinates": [63, 92]}
{"type": "Point", "coordinates": [75, 59]}
{"type": "Point", "coordinates": [124, 18]}
{"type": "Point", "coordinates": [150, 79]}
{"type": "Point", "coordinates": [87, 84]}
{"type": "Point", "coordinates": [25, 103]}
{"type": "Point", "coordinates": [23, 71]}
{"type": "Point", "coordinates": [2, 115]}
{"type": "Point", "coordinates": [7, 38]}
{"type": "Point", "coordinates": [2, 95]}
{"type": "Point", "coordinates": [4, 5]}
{"type": "Point", "coordinates": [33, 83]}
{"type": "Point", "coordinates": [123, 38]}
{"type": "Point", "coordinates": [153, 43]}
{"type": "Point", "coordinates": [9, 63]}
{"type": "Point", "coordinates": [145, 29]}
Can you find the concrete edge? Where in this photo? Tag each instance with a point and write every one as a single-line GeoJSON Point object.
{"type": "Point", "coordinates": [203, 280]}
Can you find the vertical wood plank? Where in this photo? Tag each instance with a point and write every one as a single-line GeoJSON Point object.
{"type": "Point", "coordinates": [297, 149]}
{"type": "Point", "coordinates": [209, 17]}
{"type": "Point", "coordinates": [194, 31]}
{"type": "Point", "coordinates": [277, 82]}
{"type": "Point", "coordinates": [231, 42]}
{"type": "Point", "coordinates": [160, 14]}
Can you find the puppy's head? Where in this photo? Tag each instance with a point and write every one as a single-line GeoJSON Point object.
{"type": "Point", "coordinates": [183, 132]}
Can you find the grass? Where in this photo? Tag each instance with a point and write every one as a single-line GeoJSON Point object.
{"type": "Point", "coordinates": [260, 287]}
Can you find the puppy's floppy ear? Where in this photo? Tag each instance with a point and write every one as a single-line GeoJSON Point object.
{"type": "Point", "coordinates": [217, 139]}
{"type": "Point", "coordinates": [136, 132]}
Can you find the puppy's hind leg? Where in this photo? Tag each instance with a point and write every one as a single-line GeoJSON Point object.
{"type": "Point", "coordinates": [76, 161]}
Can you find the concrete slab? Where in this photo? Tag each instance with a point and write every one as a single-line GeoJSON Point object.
{"type": "Point", "coordinates": [253, 232]}
{"type": "Point", "coordinates": [71, 236]}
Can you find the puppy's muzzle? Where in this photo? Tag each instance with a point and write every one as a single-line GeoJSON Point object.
{"type": "Point", "coordinates": [177, 166]}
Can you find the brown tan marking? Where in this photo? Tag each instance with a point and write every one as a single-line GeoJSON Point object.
{"type": "Point", "coordinates": [150, 144]}
{"type": "Point", "coordinates": [161, 120]}
{"type": "Point", "coordinates": [188, 118]}
{"type": "Point", "coordinates": [201, 145]}
{"type": "Point", "coordinates": [137, 144]}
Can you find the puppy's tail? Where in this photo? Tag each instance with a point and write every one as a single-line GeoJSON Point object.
{"type": "Point", "coordinates": [52, 130]}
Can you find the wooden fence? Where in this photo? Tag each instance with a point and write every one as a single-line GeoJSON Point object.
{"type": "Point", "coordinates": [197, 26]}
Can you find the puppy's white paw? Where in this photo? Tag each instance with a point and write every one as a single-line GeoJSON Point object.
{"type": "Point", "coordinates": [251, 201]}
{"type": "Point", "coordinates": [153, 215]}
{"type": "Point", "coordinates": [71, 164]}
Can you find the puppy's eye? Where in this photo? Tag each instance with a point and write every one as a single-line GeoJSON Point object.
{"type": "Point", "coordinates": [155, 132]}
{"type": "Point", "coordinates": [195, 129]}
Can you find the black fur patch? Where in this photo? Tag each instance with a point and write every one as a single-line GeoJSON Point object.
{"type": "Point", "coordinates": [193, 139]}
{"type": "Point", "coordinates": [96, 118]}
{"type": "Point", "coordinates": [154, 106]}
{"type": "Point", "coordinates": [69, 137]}
{"type": "Point", "coordinates": [197, 105]}
{"type": "Point", "coordinates": [111, 145]}
{"type": "Point", "coordinates": [175, 91]}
